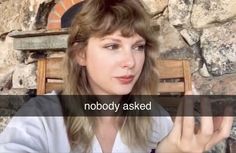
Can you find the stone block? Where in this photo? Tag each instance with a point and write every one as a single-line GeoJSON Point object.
{"type": "Point", "coordinates": [24, 76]}
{"type": "Point", "coordinates": [206, 12]}
{"type": "Point", "coordinates": [219, 48]}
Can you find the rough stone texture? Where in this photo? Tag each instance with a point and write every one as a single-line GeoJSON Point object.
{"type": "Point", "coordinates": [32, 57]}
{"type": "Point", "coordinates": [219, 48]}
{"type": "Point", "coordinates": [190, 36]}
{"type": "Point", "coordinates": [25, 17]}
{"type": "Point", "coordinates": [223, 85]}
{"type": "Point", "coordinates": [180, 12]}
{"type": "Point", "coordinates": [25, 76]}
{"type": "Point", "coordinates": [172, 45]}
{"type": "Point", "coordinates": [5, 75]}
{"type": "Point", "coordinates": [233, 132]}
{"type": "Point", "coordinates": [42, 14]}
{"type": "Point", "coordinates": [9, 56]}
{"type": "Point", "coordinates": [8, 59]}
{"type": "Point", "coordinates": [232, 140]}
{"type": "Point", "coordinates": [206, 12]}
{"type": "Point", "coordinates": [219, 148]}
{"type": "Point", "coordinates": [154, 6]}
{"type": "Point", "coordinates": [168, 37]}
{"type": "Point", "coordinates": [3, 122]}
{"type": "Point", "coordinates": [232, 145]}
{"type": "Point", "coordinates": [10, 20]}
{"type": "Point", "coordinates": [19, 91]}
{"type": "Point", "coordinates": [204, 72]}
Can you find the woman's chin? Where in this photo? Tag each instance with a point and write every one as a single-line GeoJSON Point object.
{"type": "Point", "coordinates": [124, 91]}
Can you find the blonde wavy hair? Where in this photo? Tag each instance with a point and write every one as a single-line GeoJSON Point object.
{"type": "Point", "coordinates": [99, 18]}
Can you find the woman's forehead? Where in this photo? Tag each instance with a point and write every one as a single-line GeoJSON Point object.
{"type": "Point", "coordinates": [118, 35]}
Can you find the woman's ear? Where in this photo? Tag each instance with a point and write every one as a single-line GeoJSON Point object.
{"type": "Point", "coordinates": [80, 58]}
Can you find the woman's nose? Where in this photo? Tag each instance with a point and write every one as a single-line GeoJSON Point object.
{"type": "Point", "coordinates": [128, 60]}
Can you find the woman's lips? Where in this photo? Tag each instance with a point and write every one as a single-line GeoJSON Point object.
{"type": "Point", "coordinates": [125, 79]}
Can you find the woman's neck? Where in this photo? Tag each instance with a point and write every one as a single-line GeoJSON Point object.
{"type": "Point", "coordinates": [110, 120]}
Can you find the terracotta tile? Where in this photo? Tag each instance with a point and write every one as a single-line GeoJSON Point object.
{"type": "Point", "coordinates": [77, 1]}
{"type": "Point", "coordinates": [67, 3]}
{"type": "Point", "coordinates": [53, 16]}
{"type": "Point", "coordinates": [51, 26]}
{"type": "Point", "coordinates": [59, 9]}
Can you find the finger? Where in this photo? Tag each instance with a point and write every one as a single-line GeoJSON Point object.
{"type": "Point", "coordinates": [188, 119]}
{"type": "Point", "coordinates": [227, 123]}
{"type": "Point", "coordinates": [222, 132]}
{"type": "Point", "coordinates": [188, 93]}
{"type": "Point", "coordinates": [177, 129]}
{"type": "Point", "coordinates": [207, 126]}
{"type": "Point", "coordinates": [217, 122]}
{"type": "Point", "coordinates": [218, 119]}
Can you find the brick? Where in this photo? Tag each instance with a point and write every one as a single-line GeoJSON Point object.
{"type": "Point", "coordinates": [51, 26]}
{"type": "Point", "coordinates": [77, 1]}
{"type": "Point", "coordinates": [62, 4]}
{"type": "Point", "coordinates": [55, 21]}
{"type": "Point", "coordinates": [67, 3]}
{"type": "Point", "coordinates": [53, 16]}
{"type": "Point", "coordinates": [59, 9]}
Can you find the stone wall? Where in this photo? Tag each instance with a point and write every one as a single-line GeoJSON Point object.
{"type": "Point", "coordinates": [17, 69]}
{"type": "Point", "coordinates": [203, 31]}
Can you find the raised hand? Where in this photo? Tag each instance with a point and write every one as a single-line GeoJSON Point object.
{"type": "Point", "coordinates": [186, 137]}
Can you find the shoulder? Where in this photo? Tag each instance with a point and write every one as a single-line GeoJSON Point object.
{"type": "Point", "coordinates": [42, 105]}
{"type": "Point", "coordinates": [33, 130]}
{"type": "Point", "coordinates": [162, 124]}
{"type": "Point", "coordinates": [34, 134]}
{"type": "Point", "coordinates": [161, 127]}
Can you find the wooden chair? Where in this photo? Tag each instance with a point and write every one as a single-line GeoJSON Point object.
{"type": "Point", "coordinates": [49, 75]}
{"type": "Point", "coordinates": [175, 76]}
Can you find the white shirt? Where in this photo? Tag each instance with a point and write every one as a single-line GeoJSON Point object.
{"type": "Point", "coordinates": [48, 135]}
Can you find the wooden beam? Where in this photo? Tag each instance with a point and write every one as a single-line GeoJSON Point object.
{"type": "Point", "coordinates": [41, 77]}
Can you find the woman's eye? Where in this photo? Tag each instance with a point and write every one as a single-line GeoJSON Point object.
{"type": "Point", "coordinates": [112, 46]}
{"type": "Point", "coordinates": [140, 48]}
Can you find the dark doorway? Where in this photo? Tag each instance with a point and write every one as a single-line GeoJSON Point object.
{"type": "Point", "coordinates": [70, 14]}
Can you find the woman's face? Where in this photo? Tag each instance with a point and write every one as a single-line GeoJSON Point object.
{"type": "Point", "coordinates": [113, 62]}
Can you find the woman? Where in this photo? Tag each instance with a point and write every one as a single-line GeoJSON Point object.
{"type": "Point", "coordinates": [111, 51]}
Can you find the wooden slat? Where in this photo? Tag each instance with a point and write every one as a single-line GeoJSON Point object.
{"type": "Point", "coordinates": [53, 86]}
{"type": "Point", "coordinates": [55, 80]}
{"type": "Point", "coordinates": [187, 76]}
{"type": "Point", "coordinates": [170, 63]}
{"type": "Point", "coordinates": [41, 77]}
{"type": "Point", "coordinates": [167, 87]}
{"type": "Point", "coordinates": [170, 69]}
{"type": "Point", "coordinates": [54, 68]}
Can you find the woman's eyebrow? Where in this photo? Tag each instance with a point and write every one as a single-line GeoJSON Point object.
{"type": "Point", "coordinates": [109, 38]}
{"type": "Point", "coordinates": [140, 41]}
{"type": "Point", "coordinates": [118, 40]}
